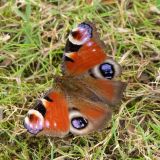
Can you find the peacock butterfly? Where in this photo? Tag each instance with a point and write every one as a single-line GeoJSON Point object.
{"type": "Point", "coordinates": [80, 101]}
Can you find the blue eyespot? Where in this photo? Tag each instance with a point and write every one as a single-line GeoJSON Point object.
{"type": "Point", "coordinates": [107, 70]}
{"type": "Point", "coordinates": [79, 122]}
{"type": "Point", "coordinates": [87, 27]}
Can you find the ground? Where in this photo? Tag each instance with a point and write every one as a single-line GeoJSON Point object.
{"type": "Point", "coordinates": [32, 39]}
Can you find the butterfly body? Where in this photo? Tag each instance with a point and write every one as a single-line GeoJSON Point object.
{"type": "Point", "coordinates": [81, 99]}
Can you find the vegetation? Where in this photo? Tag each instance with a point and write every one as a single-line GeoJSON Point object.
{"type": "Point", "coordinates": [32, 38]}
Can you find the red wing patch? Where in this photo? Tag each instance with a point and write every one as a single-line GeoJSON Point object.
{"type": "Point", "coordinates": [56, 121]}
{"type": "Point", "coordinates": [50, 116]}
{"type": "Point", "coordinates": [87, 56]}
{"type": "Point", "coordinates": [83, 50]}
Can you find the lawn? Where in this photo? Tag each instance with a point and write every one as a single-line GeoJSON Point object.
{"type": "Point", "coordinates": [33, 34]}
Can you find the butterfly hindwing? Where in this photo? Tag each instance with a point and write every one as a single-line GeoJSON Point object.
{"type": "Point", "coordinates": [109, 91]}
{"type": "Point", "coordinates": [108, 69]}
{"type": "Point", "coordinates": [87, 116]}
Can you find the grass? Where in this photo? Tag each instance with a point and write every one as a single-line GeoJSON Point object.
{"type": "Point", "coordinates": [32, 38]}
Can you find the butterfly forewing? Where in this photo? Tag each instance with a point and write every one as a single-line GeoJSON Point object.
{"type": "Point", "coordinates": [82, 52]}
{"type": "Point", "coordinates": [51, 114]}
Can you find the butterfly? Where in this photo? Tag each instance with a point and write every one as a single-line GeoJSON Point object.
{"type": "Point", "coordinates": [81, 100]}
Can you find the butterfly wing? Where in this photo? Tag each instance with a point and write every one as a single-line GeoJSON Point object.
{"type": "Point", "coordinates": [54, 116]}
{"type": "Point", "coordinates": [108, 91]}
{"type": "Point", "coordinates": [80, 112]}
{"type": "Point", "coordinates": [50, 116]}
{"type": "Point", "coordinates": [85, 52]}
{"type": "Point", "coordinates": [87, 116]}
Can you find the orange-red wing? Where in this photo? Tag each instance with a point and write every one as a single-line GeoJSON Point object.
{"type": "Point", "coordinates": [89, 55]}
{"type": "Point", "coordinates": [108, 90]}
{"type": "Point", "coordinates": [56, 120]}
{"type": "Point", "coordinates": [83, 50]}
{"type": "Point", "coordinates": [95, 115]}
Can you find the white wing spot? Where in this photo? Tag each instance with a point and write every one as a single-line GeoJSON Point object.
{"type": "Point", "coordinates": [55, 124]}
{"type": "Point", "coordinates": [89, 44]}
{"type": "Point", "coordinates": [47, 124]}
{"type": "Point", "coordinates": [94, 50]}
{"type": "Point", "coordinates": [31, 125]}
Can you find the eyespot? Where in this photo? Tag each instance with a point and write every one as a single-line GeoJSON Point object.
{"type": "Point", "coordinates": [81, 34]}
{"type": "Point", "coordinates": [106, 70]}
{"type": "Point", "coordinates": [70, 47]}
{"type": "Point", "coordinates": [86, 27]}
{"type": "Point", "coordinates": [34, 121]}
{"type": "Point", "coordinates": [79, 122]}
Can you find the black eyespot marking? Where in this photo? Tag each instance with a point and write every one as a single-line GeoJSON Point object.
{"type": "Point", "coordinates": [70, 47]}
{"type": "Point", "coordinates": [79, 123]}
{"type": "Point", "coordinates": [68, 59]}
{"type": "Point", "coordinates": [107, 70]}
{"type": "Point", "coordinates": [40, 107]}
{"type": "Point", "coordinates": [73, 109]}
{"type": "Point", "coordinates": [48, 98]}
